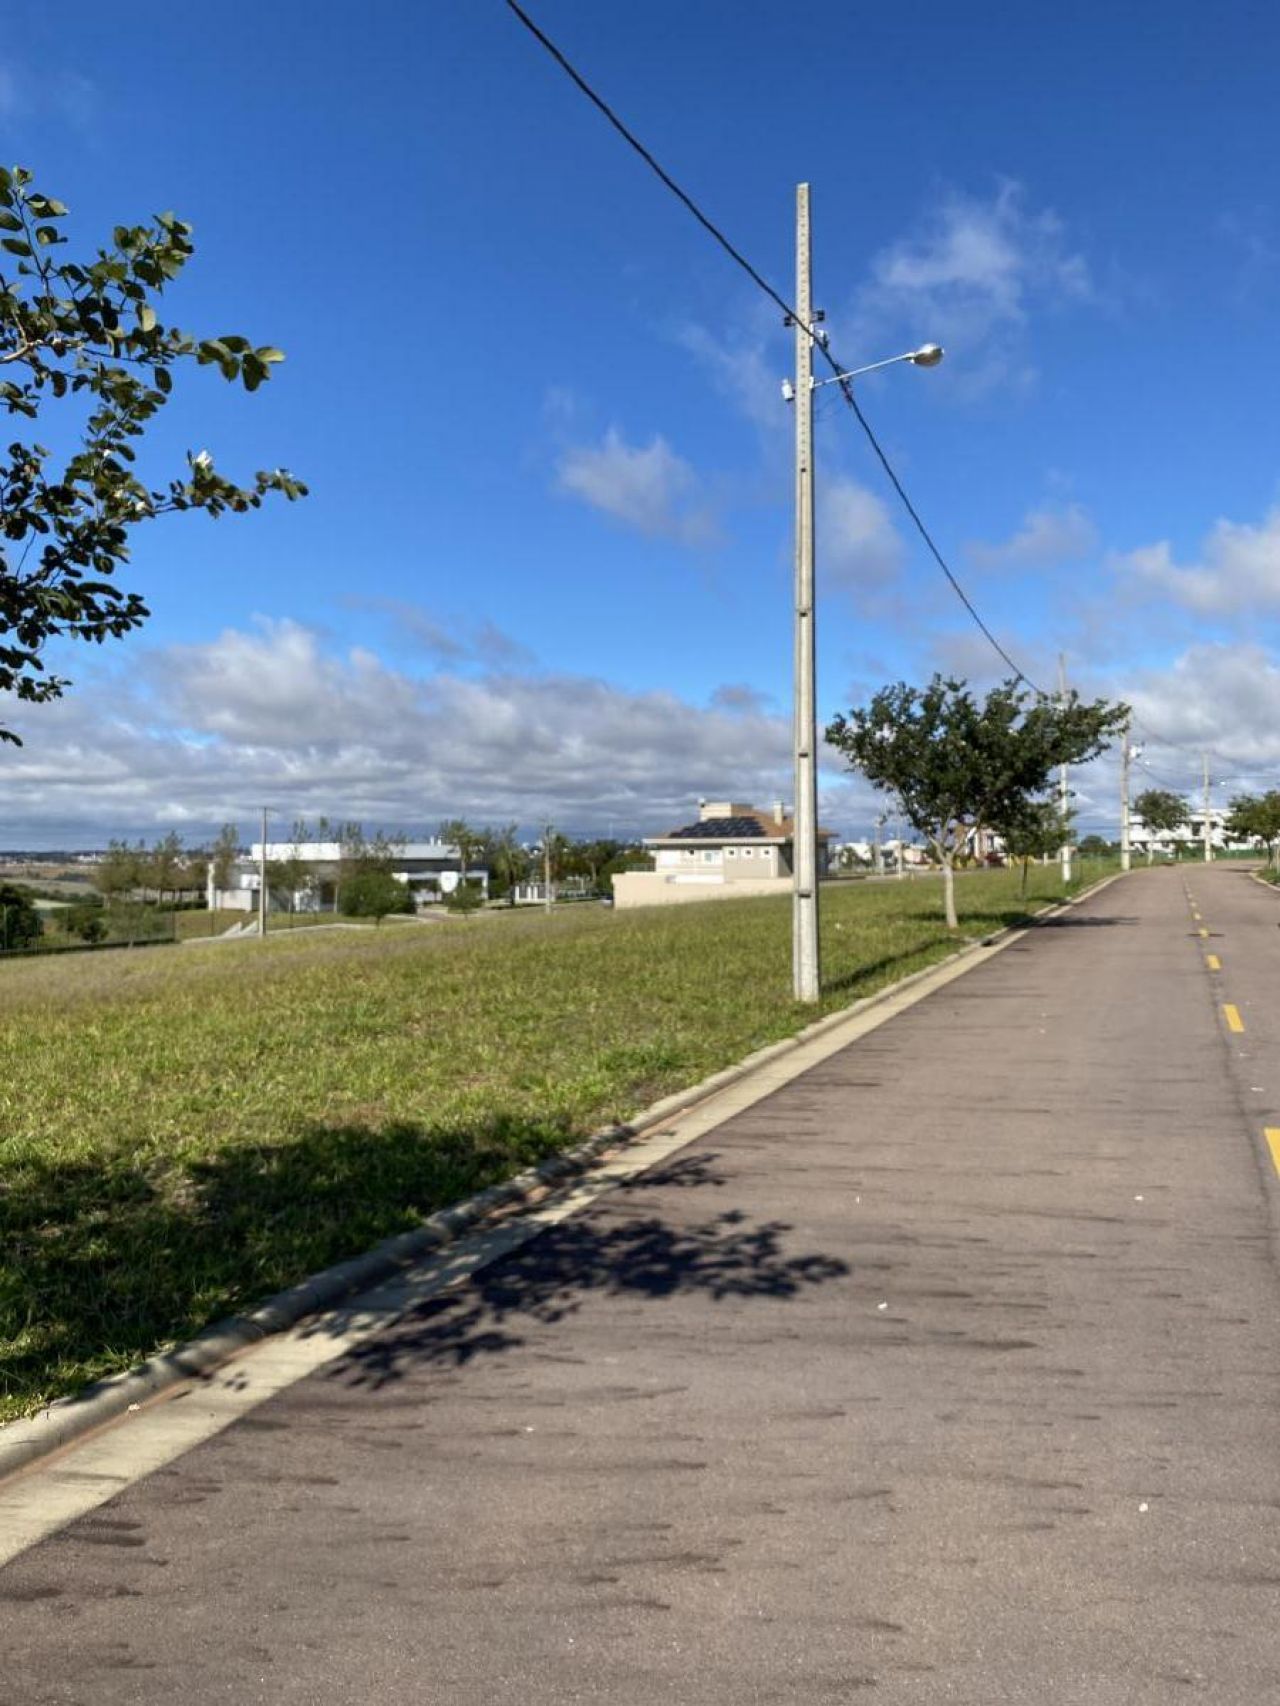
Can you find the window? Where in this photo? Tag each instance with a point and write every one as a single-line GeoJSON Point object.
{"type": "Point", "coordinates": [710, 856]}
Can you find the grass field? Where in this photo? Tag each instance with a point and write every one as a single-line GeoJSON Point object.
{"type": "Point", "coordinates": [184, 1130]}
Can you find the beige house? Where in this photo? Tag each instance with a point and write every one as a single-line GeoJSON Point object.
{"type": "Point", "coordinates": [731, 851]}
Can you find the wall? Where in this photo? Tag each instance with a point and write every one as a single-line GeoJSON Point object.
{"type": "Point", "coordinates": [657, 888]}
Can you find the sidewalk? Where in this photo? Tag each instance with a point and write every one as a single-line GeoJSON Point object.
{"type": "Point", "coordinates": [945, 1374]}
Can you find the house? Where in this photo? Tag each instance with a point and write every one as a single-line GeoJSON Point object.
{"type": "Point", "coordinates": [430, 869]}
{"type": "Point", "coordinates": [1188, 836]}
{"type": "Point", "coordinates": [731, 850]}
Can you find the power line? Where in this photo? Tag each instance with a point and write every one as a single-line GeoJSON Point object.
{"type": "Point", "coordinates": [763, 284]}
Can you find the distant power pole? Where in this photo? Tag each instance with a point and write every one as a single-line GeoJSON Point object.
{"type": "Point", "coordinates": [262, 879]}
{"type": "Point", "coordinates": [878, 855]}
{"type": "Point", "coordinates": [1064, 785]}
{"type": "Point", "coordinates": [1126, 758]}
{"type": "Point", "coordinates": [546, 868]}
{"type": "Point", "coordinates": [1208, 843]}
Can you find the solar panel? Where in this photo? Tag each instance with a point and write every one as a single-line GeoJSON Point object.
{"type": "Point", "coordinates": [719, 829]}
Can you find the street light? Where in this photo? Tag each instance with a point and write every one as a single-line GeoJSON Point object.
{"type": "Point", "coordinates": [804, 902]}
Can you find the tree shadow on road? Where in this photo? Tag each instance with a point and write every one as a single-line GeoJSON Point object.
{"type": "Point", "coordinates": [616, 1249]}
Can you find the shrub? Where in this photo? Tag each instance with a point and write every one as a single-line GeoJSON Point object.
{"type": "Point", "coordinates": [374, 894]}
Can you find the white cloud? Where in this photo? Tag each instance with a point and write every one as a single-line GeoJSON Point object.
{"type": "Point", "coordinates": [743, 371]}
{"type": "Point", "coordinates": [1239, 569]}
{"type": "Point", "coordinates": [858, 547]}
{"type": "Point", "coordinates": [1222, 697]}
{"type": "Point", "coordinates": [970, 278]}
{"type": "Point", "coordinates": [1046, 537]}
{"type": "Point", "coordinates": [192, 735]}
{"type": "Point", "coordinates": [647, 487]}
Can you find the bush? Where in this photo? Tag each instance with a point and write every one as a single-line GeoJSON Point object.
{"type": "Point", "coordinates": [466, 898]}
{"type": "Point", "coordinates": [19, 921]}
{"type": "Point", "coordinates": [86, 921]}
{"type": "Point", "coordinates": [374, 894]}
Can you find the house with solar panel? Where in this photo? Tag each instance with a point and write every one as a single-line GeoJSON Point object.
{"type": "Point", "coordinates": [731, 851]}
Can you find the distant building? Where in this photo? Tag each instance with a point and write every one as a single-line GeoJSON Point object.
{"type": "Point", "coordinates": [430, 870]}
{"type": "Point", "coordinates": [1190, 834]}
{"type": "Point", "coordinates": [730, 851]}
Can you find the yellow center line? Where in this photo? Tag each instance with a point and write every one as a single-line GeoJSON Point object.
{"type": "Point", "coordinates": [1272, 1134]}
{"type": "Point", "coordinates": [1202, 931]}
{"type": "Point", "coordinates": [1213, 962]}
{"type": "Point", "coordinates": [1232, 1016]}
{"type": "Point", "coordinates": [1195, 915]}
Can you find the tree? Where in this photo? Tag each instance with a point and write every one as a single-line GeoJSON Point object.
{"type": "Point", "coordinates": [507, 860]}
{"type": "Point", "coordinates": [1035, 830]}
{"type": "Point", "coordinates": [118, 873]}
{"type": "Point", "coordinates": [467, 898]}
{"type": "Point", "coordinates": [956, 762]}
{"type": "Point", "coordinates": [374, 894]}
{"type": "Point", "coordinates": [222, 858]}
{"type": "Point", "coordinates": [457, 832]}
{"type": "Point", "coordinates": [87, 334]}
{"type": "Point", "coordinates": [1161, 813]}
{"type": "Point", "coordinates": [1094, 847]}
{"type": "Point", "coordinates": [1256, 817]}
{"type": "Point", "coordinates": [20, 925]}
{"type": "Point", "coordinates": [165, 872]}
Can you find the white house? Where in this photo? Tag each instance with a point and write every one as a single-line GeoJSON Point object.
{"type": "Point", "coordinates": [430, 869]}
{"type": "Point", "coordinates": [1189, 834]}
{"type": "Point", "coordinates": [732, 850]}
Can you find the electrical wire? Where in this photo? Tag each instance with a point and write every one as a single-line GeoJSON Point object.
{"type": "Point", "coordinates": [789, 312]}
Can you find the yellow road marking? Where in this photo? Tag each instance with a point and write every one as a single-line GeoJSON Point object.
{"type": "Point", "coordinates": [1213, 962]}
{"type": "Point", "coordinates": [1202, 932]}
{"type": "Point", "coordinates": [1195, 914]}
{"type": "Point", "coordinates": [1232, 1015]}
{"type": "Point", "coordinates": [1272, 1134]}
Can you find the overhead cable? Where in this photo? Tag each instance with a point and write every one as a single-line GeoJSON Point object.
{"type": "Point", "coordinates": [775, 296]}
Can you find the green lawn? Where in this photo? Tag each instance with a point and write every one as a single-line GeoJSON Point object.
{"type": "Point", "coordinates": [184, 1130]}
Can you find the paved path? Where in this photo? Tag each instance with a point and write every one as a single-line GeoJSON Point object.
{"type": "Point", "coordinates": [946, 1374]}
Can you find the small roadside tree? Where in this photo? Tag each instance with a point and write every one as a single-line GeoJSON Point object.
{"type": "Point", "coordinates": [1160, 812]}
{"type": "Point", "coordinates": [1035, 830]}
{"type": "Point", "coordinates": [222, 857]}
{"type": "Point", "coordinates": [374, 894]}
{"type": "Point", "coordinates": [955, 761]}
{"type": "Point", "coordinates": [1256, 817]}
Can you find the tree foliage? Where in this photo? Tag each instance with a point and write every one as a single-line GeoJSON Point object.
{"type": "Point", "coordinates": [1161, 812]}
{"type": "Point", "coordinates": [19, 920]}
{"type": "Point", "coordinates": [955, 761]}
{"type": "Point", "coordinates": [374, 894]}
{"type": "Point", "coordinates": [88, 333]}
{"type": "Point", "coordinates": [1256, 817]}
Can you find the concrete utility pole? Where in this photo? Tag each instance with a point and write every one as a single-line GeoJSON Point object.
{"type": "Point", "coordinates": [1126, 758]}
{"type": "Point", "coordinates": [546, 869]}
{"type": "Point", "coordinates": [1064, 785]}
{"type": "Point", "coordinates": [900, 870]}
{"type": "Point", "coordinates": [878, 855]}
{"type": "Point", "coordinates": [804, 903]}
{"type": "Point", "coordinates": [1208, 842]}
{"type": "Point", "coordinates": [262, 880]}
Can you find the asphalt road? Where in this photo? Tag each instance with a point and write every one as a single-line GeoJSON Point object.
{"type": "Point", "coordinates": [946, 1374]}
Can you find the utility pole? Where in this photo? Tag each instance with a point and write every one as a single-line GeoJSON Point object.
{"type": "Point", "coordinates": [900, 870]}
{"type": "Point", "coordinates": [878, 856]}
{"type": "Point", "coordinates": [1208, 843]}
{"type": "Point", "coordinates": [546, 868]}
{"type": "Point", "coordinates": [1126, 759]}
{"type": "Point", "coordinates": [804, 848]}
{"type": "Point", "coordinates": [262, 880]}
{"type": "Point", "coordinates": [1064, 786]}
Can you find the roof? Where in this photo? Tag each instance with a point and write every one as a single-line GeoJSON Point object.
{"type": "Point", "coordinates": [753, 826]}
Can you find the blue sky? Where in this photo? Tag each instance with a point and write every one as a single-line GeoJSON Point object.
{"type": "Point", "coordinates": [545, 566]}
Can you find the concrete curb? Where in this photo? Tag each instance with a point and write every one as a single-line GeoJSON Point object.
{"type": "Point", "coordinates": [25, 1441]}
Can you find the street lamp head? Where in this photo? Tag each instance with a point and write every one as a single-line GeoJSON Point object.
{"type": "Point", "coordinates": [928, 355]}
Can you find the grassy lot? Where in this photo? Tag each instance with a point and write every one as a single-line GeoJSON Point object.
{"type": "Point", "coordinates": [185, 1130]}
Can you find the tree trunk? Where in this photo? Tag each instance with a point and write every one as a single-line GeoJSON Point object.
{"type": "Point", "coordinates": [949, 892]}
{"type": "Point", "coordinates": [1022, 892]}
